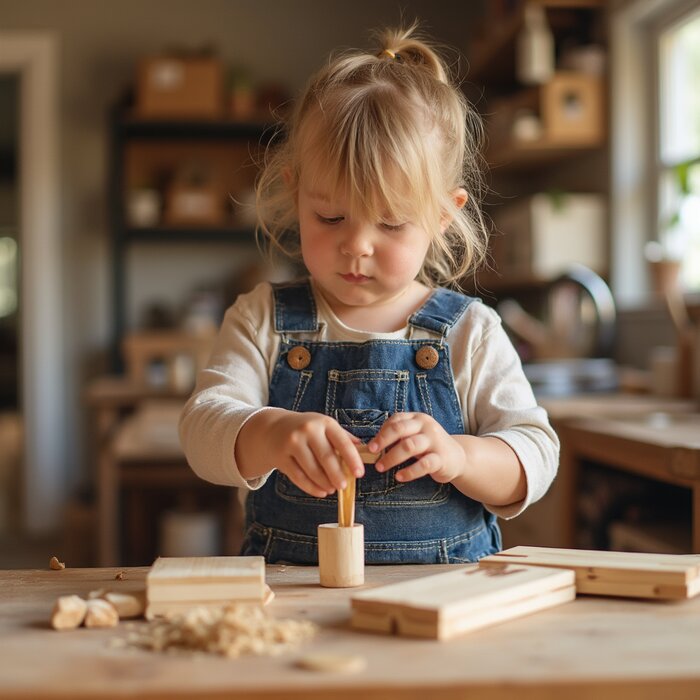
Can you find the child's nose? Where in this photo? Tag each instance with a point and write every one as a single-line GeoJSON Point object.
{"type": "Point", "coordinates": [357, 243]}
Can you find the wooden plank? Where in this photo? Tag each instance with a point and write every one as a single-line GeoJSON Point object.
{"type": "Point", "coordinates": [446, 605]}
{"type": "Point", "coordinates": [194, 570]}
{"type": "Point", "coordinates": [628, 574]}
{"type": "Point", "coordinates": [174, 583]}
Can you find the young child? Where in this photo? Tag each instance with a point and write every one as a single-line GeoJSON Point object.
{"type": "Point", "coordinates": [376, 187]}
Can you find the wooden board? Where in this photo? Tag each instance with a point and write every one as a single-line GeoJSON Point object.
{"type": "Point", "coordinates": [447, 605]}
{"type": "Point", "coordinates": [176, 582]}
{"type": "Point", "coordinates": [626, 574]}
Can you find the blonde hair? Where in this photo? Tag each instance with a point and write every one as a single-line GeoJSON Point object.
{"type": "Point", "coordinates": [391, 131]}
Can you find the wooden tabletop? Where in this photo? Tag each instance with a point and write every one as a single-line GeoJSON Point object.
{"type": "Point", "coordinates": [592, 647]}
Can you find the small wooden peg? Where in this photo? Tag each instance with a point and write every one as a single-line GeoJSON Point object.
{"type": "Point", "coordinates": [341, 545]}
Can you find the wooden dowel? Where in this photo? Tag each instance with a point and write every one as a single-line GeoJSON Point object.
{"type": "Point", "coordinates": [346, 496]}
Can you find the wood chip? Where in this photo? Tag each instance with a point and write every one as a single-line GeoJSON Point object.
{"type": "Point", "coordinates": [127, 605]}
{"type": "Point", "coordinates": [100, 613]}
{"type": "Point", "coordinates": [119, 576]}
{"type": "Point", "coordinates": [68, 612]}
{"type": "Point", "coordinates": [269, 595]}
{"type": "Point", "coordinates": [55, 564]}
{"type": "Point", "coordinates": [231, 631]}
{"type": "Point", "coordinates": [332, 663]}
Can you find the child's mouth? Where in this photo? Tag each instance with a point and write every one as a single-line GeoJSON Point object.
{"type": "Point", "coordinates": [355, 279]}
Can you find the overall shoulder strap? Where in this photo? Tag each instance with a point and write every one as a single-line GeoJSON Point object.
{"type": "Point", "coordinates": [295, 307]}
{"type": "Point", "coordinates": [441, 311]}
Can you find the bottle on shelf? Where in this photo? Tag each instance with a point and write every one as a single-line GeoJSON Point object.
{"type": "Point", "coordinates": [535, 48]}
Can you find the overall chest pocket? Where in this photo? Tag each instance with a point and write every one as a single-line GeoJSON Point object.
{"type": "Point", "coordinates": [349, 402]}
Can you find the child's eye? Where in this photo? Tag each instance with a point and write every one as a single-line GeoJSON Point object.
{"type": "Point", "coordinates": [330, 220]}
{"type": "Point", "coordinates": [391, 227]}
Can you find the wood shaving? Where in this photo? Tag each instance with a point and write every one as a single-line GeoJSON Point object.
{"type": "Point", "coordinates": [55, 564]}
{"type": "Point", "coordinates": [119, 576]}
{"type": "Point", "coordinates": [230, 631]}
{"type": "Point", "coordinates": [97, 593]}
{"type": "Point", "coordinates": [127, 604]}
{"type": "Point", "coordinates": [68, 612]}
{"type": "Point", "coordinates": [332, 663]}
{"type": "Point", "coordinates": [100, 613]}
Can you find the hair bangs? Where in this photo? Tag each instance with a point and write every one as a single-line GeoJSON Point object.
{"type": "Point", "coordinates": [358, 148]}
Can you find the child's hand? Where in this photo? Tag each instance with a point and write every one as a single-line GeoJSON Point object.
{"type": "Point", "coordinates": [308, 448]}
{"type": "Point", "coordinates": [418, 435]}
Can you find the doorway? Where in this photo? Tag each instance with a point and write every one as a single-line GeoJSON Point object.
{"type": "Point", "coordinates": [32, 59]}
{"type": "Point", "coordinates": [10, 416]}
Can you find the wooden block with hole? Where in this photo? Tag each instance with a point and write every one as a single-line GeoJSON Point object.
{"type": "Point", "coordinates": [175, 584]}
{"type": "Point", "coordinates": [456, 602]}
{"type": "Point", "coordinates": [626, 574]}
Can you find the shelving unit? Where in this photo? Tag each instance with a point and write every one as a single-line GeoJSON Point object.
{"type": "Point", "coordinates": [525, 166]}
{"type": "Point", "coordinates": [492, 56]}
{"type": "Point", "coordinates": [139, 144]}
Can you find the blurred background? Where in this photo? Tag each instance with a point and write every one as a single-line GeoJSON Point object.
{"type": "Point", "coordinates": [129, 137]}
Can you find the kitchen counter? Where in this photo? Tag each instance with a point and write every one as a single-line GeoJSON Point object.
{"type": "Point", "coordinates": [592, 647]}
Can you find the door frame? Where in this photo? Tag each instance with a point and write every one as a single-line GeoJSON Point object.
{"type": "Point", "coordinates": [34, 56]}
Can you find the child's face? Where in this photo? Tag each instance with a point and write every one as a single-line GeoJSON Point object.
{"type": "Point", "coordinates": [355, 262]}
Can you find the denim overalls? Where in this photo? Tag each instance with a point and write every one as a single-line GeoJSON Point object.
{"type": "Point", "coordinates": [361, 385]}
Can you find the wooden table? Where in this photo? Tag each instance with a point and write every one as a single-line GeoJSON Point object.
{"type": "Point", "coordinates": [658, 445]}
{"type": "Point", "coordinates": [648, 436]}
{"type": "Point", "coordinates": [590, 648]}
{"type": "Point", "coordinates": [128, 456]}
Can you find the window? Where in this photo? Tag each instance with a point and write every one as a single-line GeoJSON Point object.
{"type": "Point", "coordinates": [678, 145]}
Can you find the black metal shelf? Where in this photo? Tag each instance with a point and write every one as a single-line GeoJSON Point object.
{"type": "Point", "coordinates": [159, 129]}
{"type": "Point", "coordinates": [168, 234]}
{"type": "Point", "coordinates": [125, 128]}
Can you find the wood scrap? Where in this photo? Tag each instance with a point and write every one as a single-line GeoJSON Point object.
{"type": "Point", "coordinates": [68, 612]}
{"type": "Point", "coordinates": [446, 605]}
{"type": "Point", "coordinates": [55, 564]}
{"type": "Point", "coordinates": [175, 584]}
{"type": "Point", "coordinates": [625, 574]}
{"type": "Point", "coordinates": [332, 663]}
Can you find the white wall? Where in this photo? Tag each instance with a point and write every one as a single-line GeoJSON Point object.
{"type": "Point", "coordinates": [100, 41]}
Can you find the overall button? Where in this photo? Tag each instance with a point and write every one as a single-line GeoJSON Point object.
{"type": "Point", "coordinates": [427, 357]}
{"type": "Point", "coordinates": [298, 357]}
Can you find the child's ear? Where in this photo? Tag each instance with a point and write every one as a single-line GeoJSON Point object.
{"type": "Point", "coordinates": [459, 198]}
{"type": "Point", "coordinates": [287, 176]}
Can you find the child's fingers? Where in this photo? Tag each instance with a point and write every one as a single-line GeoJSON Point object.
{"type": "Point", "coordinates": [346, 447]}
{"type": "Point", "coordinates": [406, 448]}
{"type": "Point", "coordinates": [396, 427]}
{"type": "Point", "coordinates": [299, 478]}
{"type": "Point", "coordinates": [328, 462]}
{"type": "Point", "coordinates": [422, 467]}
{"type": "Point", "coordinates": [306, 459]}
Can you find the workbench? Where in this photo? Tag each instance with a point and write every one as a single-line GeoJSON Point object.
{"type": "Point", "coordinates": [652, 437]}
{"type": "Point", "coordinates": [589, 648]}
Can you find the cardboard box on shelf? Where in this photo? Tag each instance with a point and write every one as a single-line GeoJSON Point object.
{"type": "Point", "coordinates": [195, 205]}
{"type": "Point", "coordinates": [565, 112]}
{"type": "Point", "coordinates": [544, 234]}
{"type": "Point", "coordinates": [572, 108]}
{"type": "Point", "coordinates": [174, 87]}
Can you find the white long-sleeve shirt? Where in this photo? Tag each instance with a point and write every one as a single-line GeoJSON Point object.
{"type": "Point", "coordinates": [494, 394]}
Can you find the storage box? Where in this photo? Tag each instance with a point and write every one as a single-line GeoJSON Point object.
{"type": "Point", "coordinates": [571, 109]}
{"type": "Point", "coordinates": [180, 87]}
{"type": "Point", "coordinates": [195, 205]}
{"type": "Point", "coordinates": [542, 235]}
{"type": "Point", "coordinates": [568, 111]}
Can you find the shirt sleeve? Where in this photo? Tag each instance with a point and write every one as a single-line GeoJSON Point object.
{"type": "Point", "coordinates": [500, 403]}
{"type": "Point", "coordinates": [232, 389]}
